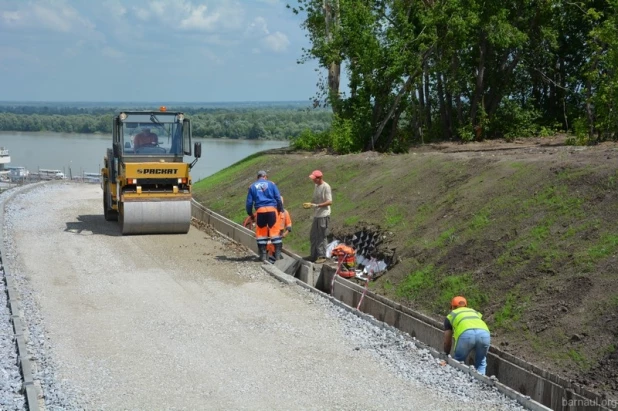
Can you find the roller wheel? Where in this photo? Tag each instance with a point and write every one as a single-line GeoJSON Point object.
{"type": "Point", "coordinates": [121, 218]}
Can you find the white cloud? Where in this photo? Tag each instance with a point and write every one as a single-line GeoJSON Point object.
{"type": "Point", "coordinates": [158, 7]}
{"type": "Point", "coordinates": [257, 27]}
{"type": "Point", "coordinates": [10, 17]}
{"type": "Point", "coordinates": [115, 8]}
{"type": "Point", "coordinates": [199, 19]}
{"type": "Point", "coordinates": [75, 49]}
{"type": "Point", "coordinates": [217, 40]}
{"type": "Point", "coordinates": [48, 15]}
{"type": "Point", "coordinates": [187, 16]}
{"type": "Point", "coordinates": [211, 56]}
{"type": "Point", "coordinates": [112, 52]}
{"type": "Point", "coordinates": [277, 42]}
{"type": "Point", "coordinates": [141, 14]}
{"type": "Point", "coordinates": [14, 53]}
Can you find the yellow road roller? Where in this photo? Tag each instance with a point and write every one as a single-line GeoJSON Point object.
{"type": "Point", "coordinates": [146, 184]}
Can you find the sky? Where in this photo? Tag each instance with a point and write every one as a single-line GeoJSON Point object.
{"type": "Point", "coordinates": [153, 51]}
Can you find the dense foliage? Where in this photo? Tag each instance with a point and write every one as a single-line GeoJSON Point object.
{"type": "Point", "coordinates": [422, 70]}
{"type": "Point", "coordinates": [274, 123]}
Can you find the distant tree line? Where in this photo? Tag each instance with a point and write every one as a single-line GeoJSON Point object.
{"type": "Point", "coordinates": [422, 70]}
{"type": "Point", "coordinates": [272, 123]}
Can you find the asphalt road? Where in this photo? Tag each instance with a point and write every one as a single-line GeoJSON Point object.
{"type": "Point", "coordinates": [183, 321]}
{"type": "Point", "coordinates": [190, 322]}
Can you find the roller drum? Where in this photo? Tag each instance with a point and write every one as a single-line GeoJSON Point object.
{"type": "Point", "coordinates": [156, 217]}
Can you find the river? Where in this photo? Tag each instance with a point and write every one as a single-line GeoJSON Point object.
{"type": "Point", "coordinates": [75, 154]}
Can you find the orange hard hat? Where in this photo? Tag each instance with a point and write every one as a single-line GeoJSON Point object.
{"type": "Point", "coordinates": [458, 301]}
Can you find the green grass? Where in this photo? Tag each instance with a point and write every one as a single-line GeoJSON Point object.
{"type": "Point", "coordinates": [446, 237]}
{"type": "Point", "coordinates": [388, 286]}
{"type": "Point", "coordinates": [541, 231]}
{"type": "Point", "coordinates": [463, 285]}
{"type": "Point", "coordinates": [227, 174]}
{"type": "Point", "coordinates": [555, 198]}
{"type": "Point", "coordinates": [517, 165]}
{"type": "Point", "coordinates": [480, 220]}
{"type": "Point", "coordinates": [393, 216]}
{"type": "Point", "coordinates": [581, 360]}
{"type": "Point", "coordinates": [607, 245]}
{"type": "Point", "coordinates": [422, 213]}
{"type": "Point", "coordinates": [611, 181]}
{"type": "Point", "coordinates": [416, 282]}
{"type": "Point", "coordinates": [511, 311]}
{"type": "Point", "coordinates": [351, 221]}
{"type": "Point", "coordinates": [425, 284]}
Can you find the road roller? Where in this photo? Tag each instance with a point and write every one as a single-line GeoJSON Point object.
{"type": "Point", "coordinates": [146, 182]}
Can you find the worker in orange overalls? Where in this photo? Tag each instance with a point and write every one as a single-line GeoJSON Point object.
{"type": "Point", "coordinates": [347, 255]}
{"type": "Point", "coordinates": [264, 196]}
{"type": "Point", "coordinates": [284, 224]}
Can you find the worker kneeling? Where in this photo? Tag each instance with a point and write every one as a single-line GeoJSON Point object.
{"type": "Point", "coordinates": [346, 257]}
{"type": "Point", "coordinates": [465, 326]}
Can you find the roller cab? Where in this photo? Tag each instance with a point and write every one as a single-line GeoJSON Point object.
{"type": "Point", "coordinates": [146, 184]}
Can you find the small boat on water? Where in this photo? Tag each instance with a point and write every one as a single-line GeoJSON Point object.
{"type": "Point", "coordinates": [5, 159]}
{"type": "Point", "coordinates": [48, 174]}
{"type": "Point", "coordinates": [92, 177]}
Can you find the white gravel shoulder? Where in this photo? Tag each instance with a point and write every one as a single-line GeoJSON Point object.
{"type": "Point", "coordinates": [10, 376]}
{"type": "Point", "coordinates": [189, 322]}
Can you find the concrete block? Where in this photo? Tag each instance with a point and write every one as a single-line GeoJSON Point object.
{"type": "Point", "coordinates": [284, 263]}
{"type": "Point", "coordinates": [306, 274]}
{"type": "Point", "coordinates": [278, 274]}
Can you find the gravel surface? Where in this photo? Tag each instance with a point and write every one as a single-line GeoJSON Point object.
{"type": "Point", "coordinates": [189, 322]}
{"type": "Point", "coordinates": [10, 377]}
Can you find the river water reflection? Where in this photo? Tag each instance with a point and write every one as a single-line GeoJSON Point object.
{"type": "Point", "coordinates": [83, 153]}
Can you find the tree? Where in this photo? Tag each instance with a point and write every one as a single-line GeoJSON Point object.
{"type": "Point", "coordinates": [323, 27]}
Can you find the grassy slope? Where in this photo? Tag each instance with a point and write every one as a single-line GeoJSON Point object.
{"type": "Point", "coordinates": [531, 241]}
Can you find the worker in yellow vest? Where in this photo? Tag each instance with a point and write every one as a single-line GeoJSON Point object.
{"type": "Point", "coordinates": [465, 326]}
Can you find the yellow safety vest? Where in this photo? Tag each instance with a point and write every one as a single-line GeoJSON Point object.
{"type": "Point", "coordinates": [463, 319]}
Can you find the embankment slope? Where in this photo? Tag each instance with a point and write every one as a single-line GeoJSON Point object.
{"type": "Point", "coordinates": [527, 230]}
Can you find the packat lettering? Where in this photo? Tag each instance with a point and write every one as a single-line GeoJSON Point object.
{"type": "Point", "coordinates": [157, 170]}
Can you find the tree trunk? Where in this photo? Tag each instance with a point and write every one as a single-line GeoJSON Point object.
{"type": "Point", "coordinates": [331, 20]}
{"type": "Point", "coordinates": [427, 97]}
{"type": "Point", "coordinates": [404, 89]}
{"type": "Point", "coordinates": [393, 132]}
{"type": "Point", "coordinates": [457, 97]}
{"type": "Point", "coordinates": [480, 73]}
{"type": "Point", "coordinates": [497, 94]}
{"type": "Point", "coordinates": [421, 98]}
{"type": "Point", "coordinates": [589, 110]}
{"type": "Point", "coordinates": [442, 107]}
{"type": "Point", "coordinates": [449, 112]}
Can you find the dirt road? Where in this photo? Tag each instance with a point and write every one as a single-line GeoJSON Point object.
{"type": "Point", "coordinates": [188, 322]}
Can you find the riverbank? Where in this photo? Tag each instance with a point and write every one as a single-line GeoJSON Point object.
{"type": "Point", "coordinates": [526, 230]}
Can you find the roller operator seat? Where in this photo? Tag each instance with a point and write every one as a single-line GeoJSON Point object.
{"type": "Point", "coordinates": [145, 138]}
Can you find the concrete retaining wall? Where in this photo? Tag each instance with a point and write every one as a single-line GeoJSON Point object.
{"type": "Point", "coordinates": [530, 385]}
